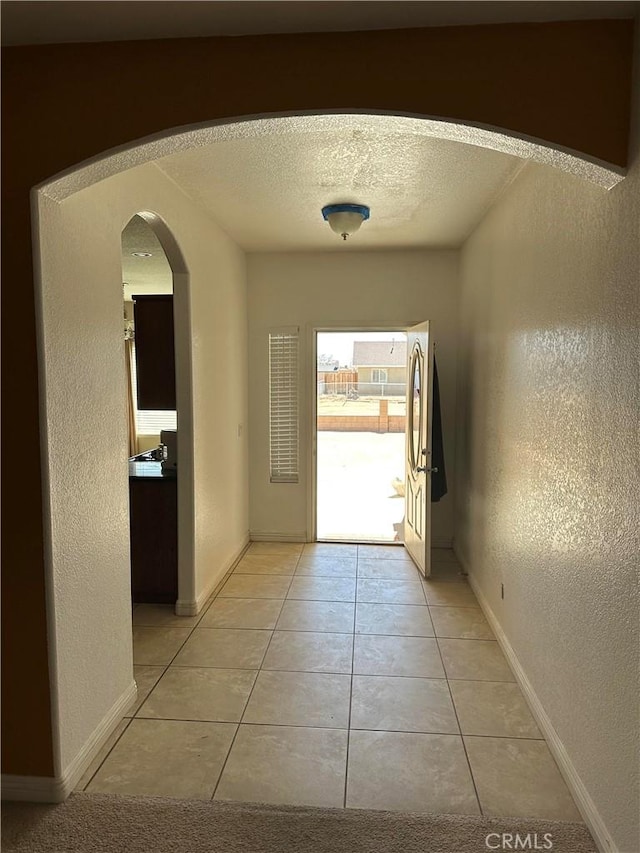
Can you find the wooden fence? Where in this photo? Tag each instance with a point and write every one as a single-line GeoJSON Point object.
{"type": "Point", "coordinates": [337, 381]}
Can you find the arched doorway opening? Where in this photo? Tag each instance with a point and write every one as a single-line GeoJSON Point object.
{"type": "Point", "coordinates": [156, 374]}
{"type": "Point", "coordinates": [83, 377]}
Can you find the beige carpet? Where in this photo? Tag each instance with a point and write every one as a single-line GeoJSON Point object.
{"type": "Point", "coordinates": [104, 823]}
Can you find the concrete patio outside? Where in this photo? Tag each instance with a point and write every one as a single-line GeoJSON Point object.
{"type": "Point", "coordinates": [356, 499]}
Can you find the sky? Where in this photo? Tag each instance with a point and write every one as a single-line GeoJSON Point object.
{"type": "Point", "coordinates": [340, 344]}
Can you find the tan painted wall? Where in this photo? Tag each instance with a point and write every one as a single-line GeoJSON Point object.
{"type": "Point", "coordinates": [394, 375]}
{"type": "Point", "coordinates": [90, 608]}
{"type": "Point", "coordinates": [547, 461]}
{"type": "Point", "coordinates": [341, 290]}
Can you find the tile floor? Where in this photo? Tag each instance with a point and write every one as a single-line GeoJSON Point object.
{"type": "Point", "coordinates": [332, 675]}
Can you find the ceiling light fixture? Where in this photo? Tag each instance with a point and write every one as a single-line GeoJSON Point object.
{"type": "Point", "coordinates": [142, 254]}
{"type": "Point", "coordinates": [345, 219]}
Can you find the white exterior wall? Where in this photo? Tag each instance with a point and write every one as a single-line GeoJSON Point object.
{"type": "Point", "coordinates": [333, 290]}
{"type": "Point", "coordinates": [547, 492]}
{"type": "Point", "coordinates": [83, 388]}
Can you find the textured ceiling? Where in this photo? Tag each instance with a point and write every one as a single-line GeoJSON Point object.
{"type": "Point", "coordinates": [267, 192]}
{"type": "Point", "coordinates": [52, 21]}
{"type": "Point", "coordinates": [144, 275]}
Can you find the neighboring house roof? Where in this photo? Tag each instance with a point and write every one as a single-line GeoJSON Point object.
{"type": "Point", "coordinates": [379, 353]}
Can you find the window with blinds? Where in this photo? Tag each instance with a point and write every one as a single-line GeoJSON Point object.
{"type": "Point", "coordinates": [150, 421]}
{"type": "Point", "coordinates": [283, 405]}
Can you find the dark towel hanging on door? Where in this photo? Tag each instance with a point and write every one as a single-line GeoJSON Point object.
{"type": "Point", "coordinates": [439, 477]}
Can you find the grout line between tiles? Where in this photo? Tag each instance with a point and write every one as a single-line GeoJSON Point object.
{"type": "Point", "coordinates": [99, 767]}
{"type": "Point", "coordinates": [244, 722]}
{"type": "Point", "coordinates": [468, 639]}
{"type": "Point", "coordinates": [319, 672]}
{"type": "Point", "coordinates": [238, 724]}
{"type": "Point", "coordinates": [166, 667]}
{"type": "Point", "coordinates": [353, 657]}
{"type": "Point", "coordinates": [224, 764]}
{"type": "Point", "coordinates": [260, 669]}
{"type": "Point", "coordinates": [464, 746]}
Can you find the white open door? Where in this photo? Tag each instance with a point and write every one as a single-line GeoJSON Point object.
{"type": "Point", "coordinates": [417, 519]}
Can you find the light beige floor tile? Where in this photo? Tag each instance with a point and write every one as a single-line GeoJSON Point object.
{"type": "Point", "coordinates": [242, 613]}
{"type": "Point", "coordinates": [146, 679]}
{"type": "Point", "coordinates": [464, 622]}
{"type": "Point", "coordinates": [474, 660]}
{"type": "Point", "coordinates": [328, 567]}
{"type": "Point", "coordinates": [383, 552]}
{"type": "Point", "coordinates": [100, 757]}
{"type": "Point", "coordinates": [255, 586]}
{"type": "Point", "coordinates": [305, 651]}
{"type": "Point", "coordinates": [333, 616]}
{"type": "Point", "coordinates": [228, 648]}
{"type": "Point", "coordinates": [402, 705]}
{"type": "Point", "coordinates": [408, 620]}
{"type": "Point", "coordinates": [397, 570]}
{"type": "Point", "coordinates": [316, 699]}
{"type": "Point", "coordinates": [279, 764]}
{"type": "Point", "coordinates": [416, 657]}
{"type": "Point", "coordinates": [161, 615]}
{"type": "Point", "coordinates": [390, 592]}
{"type": "Point", "coordinates": [496, 709]}
{"type": "Point", "coordinates": [329, 549]}
{"type": "Point", "coordinates": [449, 594]}
{"type": "Point", "coordinates": [287, 548]}
{"type": "Point", "coordinates": [189, 693]}
{"type": "Point", "coordinates": [409, 772]}
{"type": "Point", "coordinates": [323, 589]}
{"type": "Point", "coordinates": [166, 758]}
{"type": "Point", "coordinates": [157, 646]}
{"type": "Point", "coordinates": [519, 777]}
{"type": "Point", "coordinates": [266, 564]}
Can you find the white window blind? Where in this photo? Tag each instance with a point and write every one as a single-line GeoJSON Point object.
{"type": "Point", "coordinates": [150, 421]}
{"type": "Point", "coordinates": [283, 405]}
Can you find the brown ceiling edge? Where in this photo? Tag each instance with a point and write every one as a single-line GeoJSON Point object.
{"type": "Point", "coordinates": [567, 83]}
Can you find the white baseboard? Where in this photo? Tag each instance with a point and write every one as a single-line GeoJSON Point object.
{"type": "Point", "coordinates": [584, 802]}
{"type": "Point", "coordinates": [262, 536]}
{"type": "Point", "coordinates": [192, 607]}
{"type": "Point", "coordinates": [32, 789]}
{"type": "Point", "coordinates": [460, 557]}
{"type": "Point", "coordinates": [56, 789]}
{"type": "Point", "coordinates": [187, 607]}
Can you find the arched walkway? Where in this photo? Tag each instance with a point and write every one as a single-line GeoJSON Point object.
{"type": "Point", "coordinates": [81, 722]}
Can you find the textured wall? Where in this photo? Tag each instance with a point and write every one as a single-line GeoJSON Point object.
{"type": "Point", "coordinates": [335, 290]}
{"type": "Point", "coordinates": [548, 460]}
{"type": "Point", "coordinates": [87, 470]}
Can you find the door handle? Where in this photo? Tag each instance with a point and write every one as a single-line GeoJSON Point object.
{"type": "Point", "coordinates": [426, 470]}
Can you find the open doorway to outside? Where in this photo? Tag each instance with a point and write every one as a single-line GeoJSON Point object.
{"type": "Point", "coordinates": [360, 435]}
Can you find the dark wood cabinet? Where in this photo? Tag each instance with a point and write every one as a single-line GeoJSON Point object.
{"type": "Point", "coordinates": [153, 509]}
{"type": "Point", "coordinates": [155, 352]}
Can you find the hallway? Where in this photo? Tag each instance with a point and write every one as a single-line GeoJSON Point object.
{"type": "Point", "coordinates": [332, 675]}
